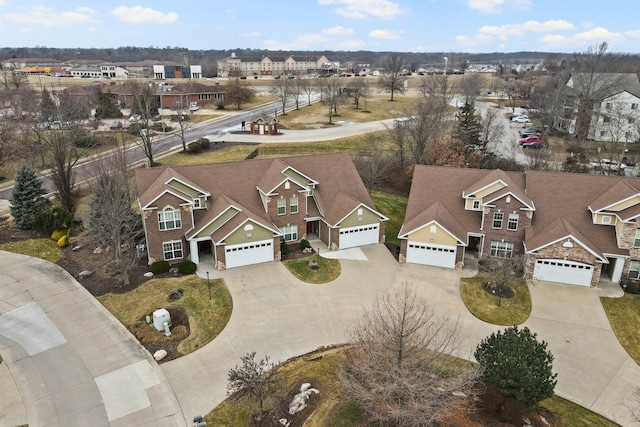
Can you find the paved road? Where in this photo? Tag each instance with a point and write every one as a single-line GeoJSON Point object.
{"type": "Point", "coordinates": [67, 361]}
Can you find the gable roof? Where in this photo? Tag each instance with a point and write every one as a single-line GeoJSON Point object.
{"type": "Point", "coordinates": [510, 187]}
{"type": "Point", "coordinates": [558, 230]}
{"type": "Point", "coordinates": [339, 188]}
{"type": "Point", "coordinates": [600, 86]}
{"type": "Point", "coordinates": [438, 213]}
{"type": "Point", "coordinates": [620, 191]}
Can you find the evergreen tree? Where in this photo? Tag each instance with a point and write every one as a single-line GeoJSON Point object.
{"type": "Point", "coordinates": [468, 124]}
{"type": "Point", "coordinates": [48, 106]}
{"type": "Point", "coordinates": [106, 107]}
{"type": "Point", "coordinates": [27, 198]}
{"type": "Point", "coordinates": [518, 364]}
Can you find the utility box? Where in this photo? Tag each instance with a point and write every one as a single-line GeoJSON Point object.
{"type": "Point", "coordinates": [160, 317]}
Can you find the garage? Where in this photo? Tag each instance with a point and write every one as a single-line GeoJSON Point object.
{"type": "Point", "coordinates": [436, 255]}
{"type": "Point", "coordinates": [248, 253]}
{"type": "Point", "coordinates": [561, 271]}
{"type": "Point", "coordinates": [359, 236]}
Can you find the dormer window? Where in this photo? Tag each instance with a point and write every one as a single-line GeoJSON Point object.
{"type": "Point", "coordinates": [605, 219]}
{"type": "Point", "coordinates": [476, 205]}
{"type": "Point", "coordinates": [196, 203]}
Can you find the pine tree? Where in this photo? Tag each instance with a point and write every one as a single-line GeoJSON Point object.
{"type": "Point", "coordinates": [106, 108]}
{"type": "Point", "coordinates": [28, 197]}
{"type": "Point", "coordinates": [469, 126]}
{"type": "Point", "coordinates": [48, 106]}
{"type": "Point", "coordinates": [518, 364]}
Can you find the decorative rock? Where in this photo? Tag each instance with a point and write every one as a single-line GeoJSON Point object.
{"type": "Point", "coordinates": [173, 270]}
{"type": "Point", "coordinates": [313, 264]}
{"type": "Point", "coordinates": [284, 422]}
{"type": "Point", "coordinates": [159, 355]}
{"type": "Point", "coordinates": [307, 250]}
{"type": "Point", "coordinates": [148, 274]}
{"type": "Point", "coordinates": [97, 251]}
{"type": "Point", "coordinates": [84, 274]}
{"type": "Point", "coordinates": [458, 394]}
{"type": "Point", "coordinates": [176, 294]}
{"type": "Point", "coordinates": [299, 402]}
{"type": "Point", "coordinates": [76, 247]}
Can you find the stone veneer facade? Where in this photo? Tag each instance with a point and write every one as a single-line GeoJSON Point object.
{"type": "Point", "coordinates": [557, 251]}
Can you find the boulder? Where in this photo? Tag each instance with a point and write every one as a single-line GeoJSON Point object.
{"type": "Point", "coordinates": [84, 274]}
{"type": "Point", "coordinates": [313, 264]}
{"type": "Point", "coordinates": [175, 294]}
{"type": "Point", "coordinates": [299, 402]}
{"type": "Point", "coordinates": [76, 246]}
{"type": "Point", "coordinates": [97, 251]}
{"type": "Point", "coordinates": [159, 355]}
{"type": "Point", "coordinates": [148, 274]}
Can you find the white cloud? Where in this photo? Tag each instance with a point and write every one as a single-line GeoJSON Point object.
{"type": "Point", "coordinates": [583, 39]}
{"type": "Point", "coordinates": [599, 34]}
{"type": "Point", "coordinates": [362, 9]}
{"type": "Point", "coordinates": [386, 34]}
{"type": "Point", "coordinates": [510, 30]}
{"type": "Point", "coordinates": [496, 6]}
{"type": "Point", "coordinates": [251, 34]}
{"type": "Point", "coordinates": [143, 15]}
{"type": "Point", "coordinates": [349, 45]}
{"type": "Point", "coordinates": [49, 17]}
{"type": "Point", "coordinates": [337, 31]}
{"type": "Point", "coordinates": [634, 33]}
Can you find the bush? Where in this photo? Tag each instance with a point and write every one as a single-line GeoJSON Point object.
{"type": "Point", "coordinates": [284, 248]}
{"type": "Point", "coordinates": [53, 218]}
{"type": "Point", "coordinates": [304, 244]}
{"type": "Point", "coordinates": [187, 267]}
{"type": "Point", "coordinates": [86, 140]}
{"type": "Point", "coordinates": [198, 146]}
{"type": "Point", "coordinates": [63, 242]}
{"type": "Point", "coordinates": [60, 232]}
{"type": "Point", "coordinates": [159, 267]}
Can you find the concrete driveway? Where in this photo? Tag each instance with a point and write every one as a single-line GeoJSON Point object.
{"type": "Point", "coordinates": [277, 315]}
{"type": "Point", "coordinates": [67, 361]}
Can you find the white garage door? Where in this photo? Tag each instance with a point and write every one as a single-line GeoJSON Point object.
{"type": "Point", "coordinates": [436, 255]}
{"type": "Point", "coordinates": [247, 254]}
{"type": "Point", "coordinates": [359, 236]}
{"type": "Point", "coordinates": [557, 270]}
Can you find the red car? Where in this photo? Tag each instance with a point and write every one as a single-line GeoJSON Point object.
{"type": "Point", "coordinates": [532, 138]}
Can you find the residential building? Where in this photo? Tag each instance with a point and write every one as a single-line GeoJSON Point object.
{"type": "Point", "coordinates": [162, 72]}
{"type": "Point", "coordinates": [239, 212]}
{"type": "Point", "coordinates": [570, 228]}
{"type": "Point", "coordinates": [601, 107]}
{"type": "Point", "coordinates": [272, 65]}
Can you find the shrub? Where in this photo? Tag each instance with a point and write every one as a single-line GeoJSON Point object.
{"type": "Point", "coordinates": [284, 248]}
{"type": "Point", "coordinates": [86, 140]}
{"type": "Point", "coordinates": [187, 267]}
{"type": "Point", "coordinates": [198, 146]}
{"type": "Point", "coordinates": [60, 232]}
{"type": "Point", "coordinates": [159, 267]}
{"type": "Point", "coordinates": [304, 244]}
{"type": "Point", "coordinates": [53, 218]}
{"type": "Point", "coordinates": [63, 242]}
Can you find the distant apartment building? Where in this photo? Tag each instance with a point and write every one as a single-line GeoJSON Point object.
{"type": "Point", "coordinates": [273, 65]}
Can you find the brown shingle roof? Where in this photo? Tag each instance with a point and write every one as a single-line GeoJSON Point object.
{"type": "Point", "coordinates": [620, 191]}
{"type": "Point", "coordinates": [439, 213]}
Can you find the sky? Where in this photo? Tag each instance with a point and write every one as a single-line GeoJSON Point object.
{"type": "Point", "coordinates": [564, 26]}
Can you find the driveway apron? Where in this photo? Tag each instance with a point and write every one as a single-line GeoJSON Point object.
{"type": "Point", "coordinates": [69, 362]}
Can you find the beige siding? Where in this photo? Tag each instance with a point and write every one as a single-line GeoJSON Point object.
{"type": "Point", "coordinates": [355, 220]}
{"type": "Point", "coordinates": [184, 188]}
{"type": "Point", "coordinates": [440, 237]}
{"type": "Point", "coordinates": [297, 177]}
{"type": "Point", "coordinates": [241, 235]}
{"type": "Point", "coordinates": [625, 204]}
{"type": "Point", "coordinates": [217, 223]}
{"type": "Point", "coordinates": [490, 189]}
{"type": "Point", "coordinates": [599, 218]}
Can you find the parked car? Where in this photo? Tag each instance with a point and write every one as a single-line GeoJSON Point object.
{"type": "Point", "coordinates": [135, 118]}
{"type": "Point", "coordinates": [629, 161]}
{"type": "Point", "coordinates": [115, 125]}
{"type": "Point", "coordinates": [528, 131]}
{"type": "Point", "coordinates": [521, 119]}
{"type": "Point", "coordinates": [606, 164]}
{"type": "Point", "coordinates": [531, 138]}
{"type": "Point", "coordinates": [126, 125]}
{"type": "Point", "coordinates": [514, 115]}
{"type": "Point", "coordinates": [534, 145]}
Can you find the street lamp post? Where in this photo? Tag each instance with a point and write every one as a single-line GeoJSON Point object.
{"type": "Point", "coordinates": [446, 59]}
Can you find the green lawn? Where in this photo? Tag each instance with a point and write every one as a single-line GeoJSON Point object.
{"type": "Point", "coordinates": [490, 308]}
{"type": "Point", "coordinates": [46, 249]}
{"type": "Point", "coordinates": [624, 316]}
{"type": "Point", "coordinates": [329, 269]}
{"type": "Point", "coordinates": [207, 318]}
{"type": "Point", "coordinates": [574, 415]}
{"type": "Point", "coordinates": [393, 207]}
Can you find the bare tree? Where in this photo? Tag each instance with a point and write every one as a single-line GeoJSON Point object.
{"type": "Point", "coordinates": [238, 92]}
{"type": "Point", "coordinates": [112, 221]}
{"type": "Point", "coordinates": [399, 367]}
{"type": "Point", "coordinates": [332, 95]}
{"type": "Point", "coordinates": [373, 162]}
{"type": "Point", "coordinates": [297, 88]}
{"type": "Point", "coordinates": [254, 379]}
{"type": "Point", "coordinates": [358, 88]}
{"type": "Point", "coordinates": [144, 104]}
{"type": "Point", "coordinates": [389, 81]}
{"type": "Point", "coordinates": [470, 85]}
{"type": "Point", "coordinates": [280, 88]}
{"type": "Point", "coordinates": [183, 119]}
{"type": "Point", "coordinates": [491, 129]}
{"type": "Point", "coordinates": [309, 86]}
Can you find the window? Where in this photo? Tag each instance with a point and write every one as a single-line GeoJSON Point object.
{"type": "Point", "coordinates": [632, 120]}
{"type": "Point", "coordinates": [634, 270]}
{"type": "Point", "coordinates": [169, 219]}
{"type": "Point", "coordinates": [172, 250]}
{"type": "Point", "coordinates": [290, 232]}
{"type": "Point", "coordinates": [204, 97]}
{"type": "Point", "coordinates": [501, 249]}
{"type": "Point", "coordinates": [196, 204]}
{"type": "Point", "coordinates": [608, 106]}
{"type": "Point", "coordinates": [293, 204]}
{"type": "Point", "coordinates": [476, 204]}
{"type": "Point", "coordinates": [282, 206]}
{"type": "Point", "coordinates": [497, 219]}
{"type": "Point", "coordinates": [634, 106]}
{"type": "Point", "coordinates": [636, 240]}
{"type": "Point", "coordinates": [512, 223]}
{"type": "Point", "coordinates": [605, 219]}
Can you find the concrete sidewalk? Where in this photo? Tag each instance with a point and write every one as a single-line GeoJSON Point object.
{"type": "Point", "coordinates": [67, 361]}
